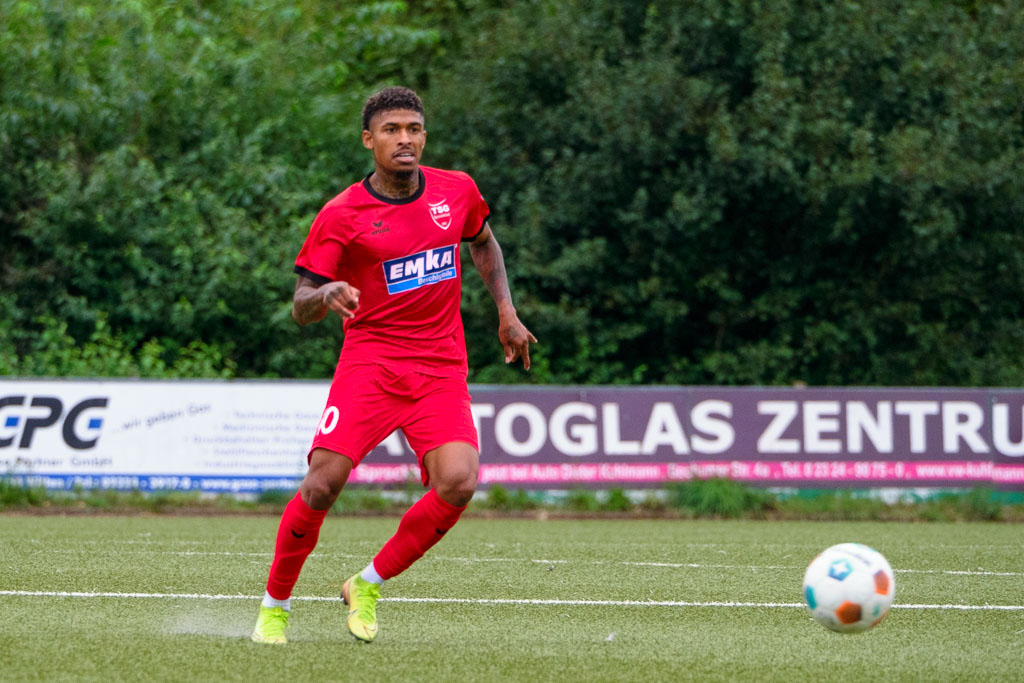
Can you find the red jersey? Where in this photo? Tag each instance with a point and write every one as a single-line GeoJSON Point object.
{"type": "Point", "coordinates": [403, 257]}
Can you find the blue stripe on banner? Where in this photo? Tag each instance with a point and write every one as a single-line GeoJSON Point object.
{"type": "Point", "coordinates": [154, 482]}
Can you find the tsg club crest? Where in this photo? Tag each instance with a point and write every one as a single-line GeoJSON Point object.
{"type": "Point", "coordinates": [441, 213]}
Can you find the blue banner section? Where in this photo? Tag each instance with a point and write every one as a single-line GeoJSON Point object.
{"type": "Point", "coordinates": [161, 482]}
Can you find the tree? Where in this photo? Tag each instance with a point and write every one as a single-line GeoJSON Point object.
{"type": "Point", "coordinates": [161, 163]}
{"type": "Point", "coordinates": [735, 193]}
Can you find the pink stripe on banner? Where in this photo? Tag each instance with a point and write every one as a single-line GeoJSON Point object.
{"type": "Point", "coordinates": [578, 473]}
{"type": "Point", "coordinates": [1008, 474]}
{"type": "Point", "coordinates": [741, 470]}
{"type": "Point", "coordinates": [871, 471]}
{"type": "Point", "coordinates": [384, 474]}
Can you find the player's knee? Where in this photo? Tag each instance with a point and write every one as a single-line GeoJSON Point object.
{"type": "Point", "coordinates": [320, 492]}
{"type": "Point", "coordinates": [457, 488]}
{"type": "Point", "coordinates": [328, 472]}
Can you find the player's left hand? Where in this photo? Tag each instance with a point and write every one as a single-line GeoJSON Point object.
{"type": "Point", "coordinates": [516, 339]}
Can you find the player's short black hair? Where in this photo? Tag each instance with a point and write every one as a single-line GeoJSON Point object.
{"type": "Point", "coordinates": [387, 99]}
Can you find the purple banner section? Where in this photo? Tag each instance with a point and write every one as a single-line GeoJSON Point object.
{"type": "Point", "coordinates": [548, 437]}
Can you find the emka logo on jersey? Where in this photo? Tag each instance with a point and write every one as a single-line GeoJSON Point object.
{"type": "Point", "coordinates": [21, 417]}
{"type": "Point", "coordinates": [423, 268]}
{"type": "Point", "coordinates": [441, 213]}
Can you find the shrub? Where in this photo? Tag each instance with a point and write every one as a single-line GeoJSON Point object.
{"type": "Point", "coordinates": [582, 500]}
{"type": "Point", "coordinates": [617, 501]}
{"type": "Point", "coordinates": [981, 504]}
{"type": "Point", "coordinates": [718, 497]}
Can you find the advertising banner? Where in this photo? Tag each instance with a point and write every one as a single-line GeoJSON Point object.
{"type": "Point", "coordinates": [251, 436]}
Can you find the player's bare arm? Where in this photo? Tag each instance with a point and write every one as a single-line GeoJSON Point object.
{"type": "Point", "coordinates": [312, 300]}
{"type": "Point", "coordinates": [487, 258]}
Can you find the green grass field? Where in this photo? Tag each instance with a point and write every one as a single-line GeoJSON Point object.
{"type": "Point", "coordinates": [174, 598]}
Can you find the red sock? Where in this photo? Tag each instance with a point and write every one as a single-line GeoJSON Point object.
{"type": "Point", "coordinates": [296, 538]}
{"type": "Point", "coordinates": [421, 527]}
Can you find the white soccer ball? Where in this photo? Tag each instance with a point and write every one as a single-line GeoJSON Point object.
{"type": "Point", "coordinates": [849, 587]}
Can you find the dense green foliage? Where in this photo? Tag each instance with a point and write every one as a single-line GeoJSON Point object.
{"type": "Point", "coordinates": [703, 192]}
{"type": "Point", "coordinates": [161, 164]}
{"type": "Point", "coordinates": [757, 192]}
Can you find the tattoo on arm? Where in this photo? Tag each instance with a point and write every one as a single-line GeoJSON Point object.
{"type": "Point", "coordinates": [491, 265]}
{"type": "Point", "coordinates": [308, 304]}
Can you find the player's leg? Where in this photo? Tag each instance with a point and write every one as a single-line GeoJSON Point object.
{"type": "Point", "coordinates": [354, 420]}
{"type": "Point", "coordinates": [297, 535]}
{"type": "Point", "coordinates": [300, 525]}
{"type": "Point", "coordinates": [452, 471]}
{"type": "Point", "coordinates": [440, 429]}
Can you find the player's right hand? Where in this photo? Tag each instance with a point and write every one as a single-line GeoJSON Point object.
{"type": "Point", "coordinates": [340, 297]}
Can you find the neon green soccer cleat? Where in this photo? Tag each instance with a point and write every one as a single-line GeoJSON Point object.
{"type": "Point", "coordinates": [361, 597]}
{"type": "Point", "coordinates": [270, 626]}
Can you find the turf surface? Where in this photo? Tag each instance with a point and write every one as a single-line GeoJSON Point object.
{"type": "Point", "coordinates": [175, 598]}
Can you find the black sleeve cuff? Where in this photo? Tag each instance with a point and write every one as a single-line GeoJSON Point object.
{"type": "Point", "coordinates": [315, 277]}
{"type": "Point", "coordinates": [477, 233]}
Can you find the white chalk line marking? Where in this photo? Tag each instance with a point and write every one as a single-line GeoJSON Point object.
{"type": "Point", "coordinates": [665, 565]}
{"type": "Point", "coordinates": [146, 541]}
{"type": "Point", "coordinates": [480, 601]}
{"type": "Point", "coordinates": [754, 567]}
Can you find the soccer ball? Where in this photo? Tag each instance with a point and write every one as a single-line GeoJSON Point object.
{"type": "Point", "coordinates": [849, 588]}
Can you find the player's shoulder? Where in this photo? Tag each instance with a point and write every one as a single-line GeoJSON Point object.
{"type": "Point", "coordinates": [345, 204]}
{"type": "Point", "coordinates": [442, 176]}
{"type": "Point", "coordinates": [351, 196]}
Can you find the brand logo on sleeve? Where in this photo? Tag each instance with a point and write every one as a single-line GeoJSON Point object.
{"type": "Point", "coordinates": [441, 213]}
{"type": "Point", "coordinates": [423, 268]}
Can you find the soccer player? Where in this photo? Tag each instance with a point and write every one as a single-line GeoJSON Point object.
{"type": "Point", "coordinates": [384, 255]}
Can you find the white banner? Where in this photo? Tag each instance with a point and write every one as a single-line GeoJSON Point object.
{"type": "Point", "coordinates": [158, 435]}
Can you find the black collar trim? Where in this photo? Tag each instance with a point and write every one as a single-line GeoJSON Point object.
{"type": "Point", "coordinates": [397, 200]}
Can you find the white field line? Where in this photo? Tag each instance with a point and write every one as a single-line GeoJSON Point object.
{"type": "Point", "coordinates": [146, 540]}
{"type": "Point", "coordinates": [480, 601]}
{"type": "Point", "coordinates": [754, 567]}
{"type": "Point", "coordinates": [470, 560]}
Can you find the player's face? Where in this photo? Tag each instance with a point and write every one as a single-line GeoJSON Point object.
{"type": "Point", "coordinates": [396, 138]}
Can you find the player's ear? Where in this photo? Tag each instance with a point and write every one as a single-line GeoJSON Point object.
{"type": "Point", "coordinates": [367, 139]}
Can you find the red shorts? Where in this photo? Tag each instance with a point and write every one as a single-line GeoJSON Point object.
{"type": "Point", "coordinates": [367, 402]}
